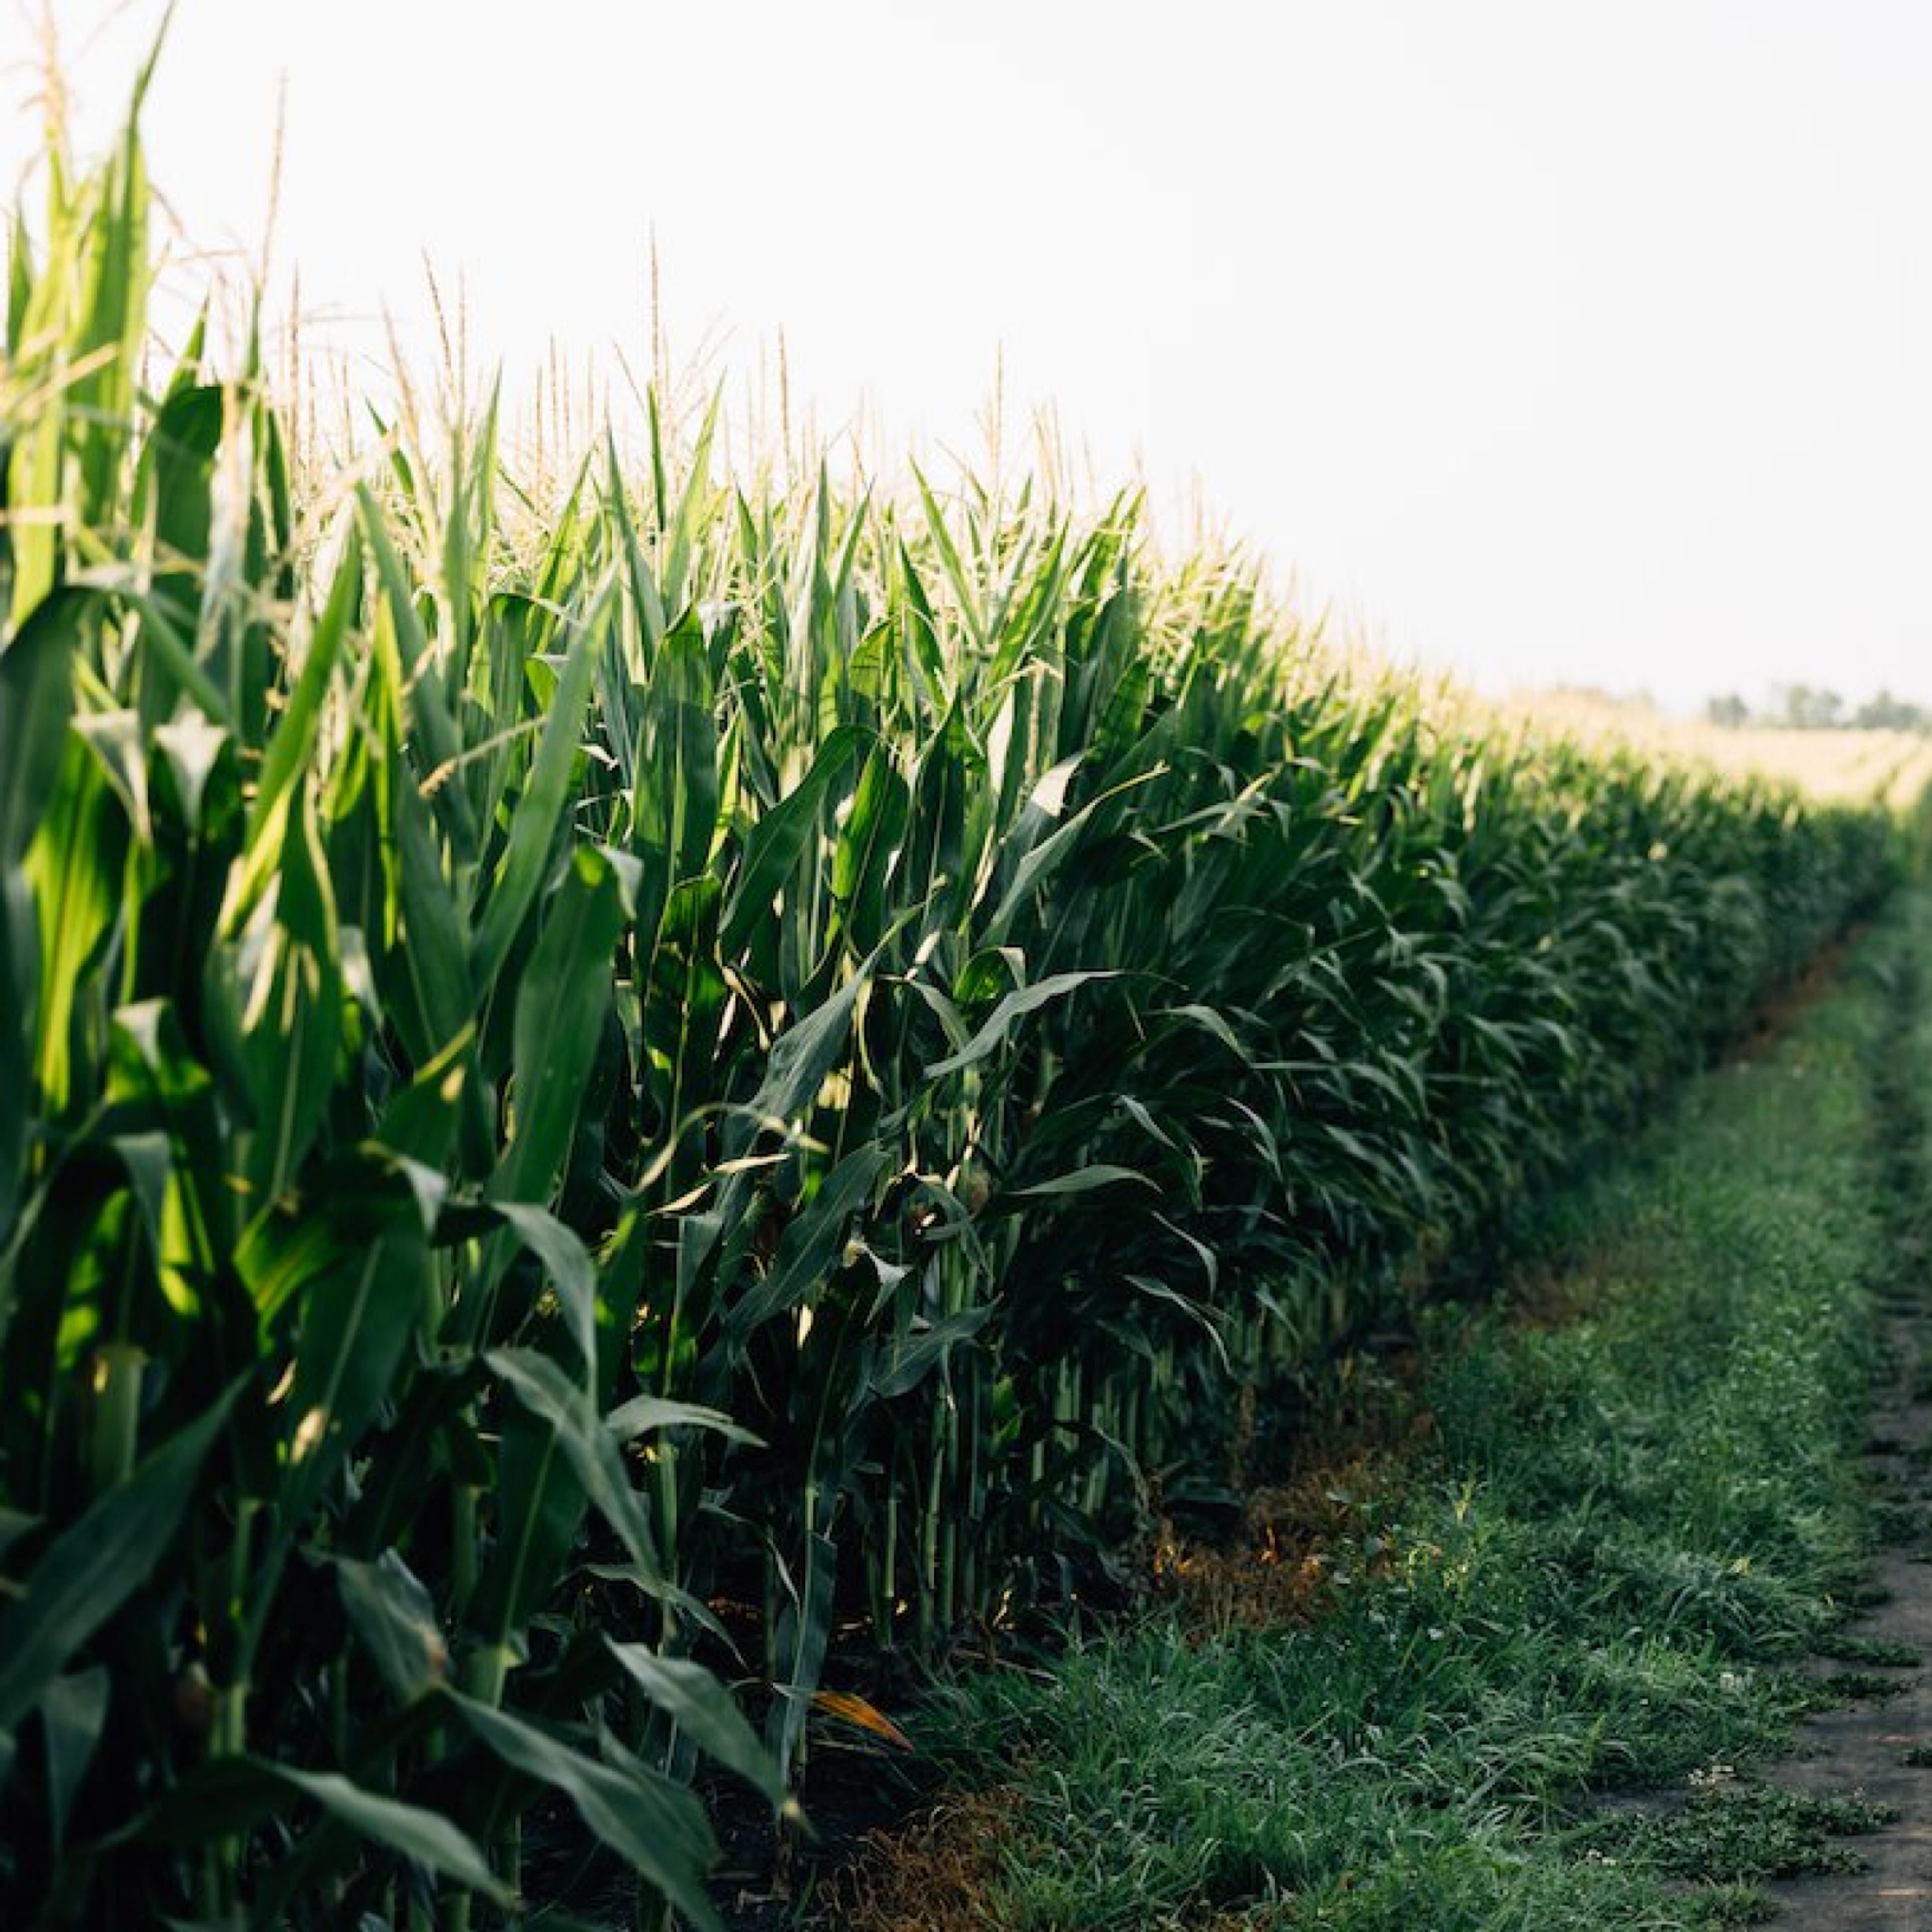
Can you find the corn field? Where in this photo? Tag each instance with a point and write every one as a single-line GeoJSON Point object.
{"type": "Point", "coordinates": [593, 1091]}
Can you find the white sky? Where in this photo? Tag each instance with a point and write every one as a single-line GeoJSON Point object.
{"type": "Point", "coordinates": [1553, 341]}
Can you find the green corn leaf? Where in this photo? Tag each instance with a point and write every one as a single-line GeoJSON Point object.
{"type": "Point", "coordinates": [35, 464]}
{"type": "Point", "coordinates": [100, 1560]}
{"type": "Point", "coordinates": [683, 532]}
{"type": "Point", "coordinates": [589, 1449]}
{"type": "Point", "coordinates": [1209, 1021]}
{"type": "Point", "coordinates": [539, 1502]}
{"type": "Point", "coordinates": [703, 1709]}
{"type": "Point", "coordinates": [802, 1055]}
{"type": "Point", "coordinates": [943, 547]}
{"type": "Point", "coordinates": [658, 1828]}
{"type": "Point", "coordinates": [434, 999]}
{"type": "Point", "coordinates": [19, 284]}
{"type": "Point", "coordinates": [992, 1034]}
{"type": "Point", "coordinates": [113, 321]}
{"type": "Point", "coordinates": [560, 1007]}
{"type": "Point", "coordinates": [1084, 1179]}
{"type": "Point", "coordinates": [74, 868]}
{"type": "Point", "coordinates": [357, 1312]}
{"type": "Point", "coordinates": [1155, 1289]}
{"type": "Point", "coordinates": [430, 723]}
{"type": "Point", "coordinates": [18, 961]}
{"type": "Point", "coordinates": [932, 869]}
{"type": "Point", "coordinates": [179, 465]}
{"type": "Point", "coordinates": [422, 1836]}
{"type": "Point", "coordinates": [189, 748]}
{"type": "Point", "coordinates": [568, 1263]}
{"type": "Point", "coordinates": [911, 1359]}
{"type": "Point", "coordinates": [73, 1711]}
{"type": "Point", "coordinates": [645, 1415]}
{"type": "Point", "coordinates": [780, 839]}
{"type": "Point", "coordinates": [14, 1524]}
{"type": "Point", "coordinates": [167, 1098]}
{"type": "Point", "coordinates": [287, 760]}
{"type": "Point", "coordinates": [394, 1620]}
{"type": "Point", "coordinates": [810, 1250]}
{"type": "Point", "coordinates": [227, 1795]}
{"type": "Point", "coordinates": [675, 800]}
{"type": "Point", "coordinates": [869, 841]}
{"type": "Point", "coordinates": [283, 983]}
{"type": "Point", "coordinates": [421, 1123]}
{"type": "Point", "coordinates": [533, 830]}
{"type": "Point", "coordinates": [804, 1633]}
{"type": "Point", "coordinates": [639, 576]}
{"type": "Point", "coordinates": [681, 1019]}
{"type": "Point", "coordinates": [36, 701]}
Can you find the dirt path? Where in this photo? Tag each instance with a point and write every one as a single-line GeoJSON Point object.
{"type": "Point", "coordinates": [1867, 1746]}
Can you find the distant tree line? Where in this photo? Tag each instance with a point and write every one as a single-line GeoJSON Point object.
{"type": "Point", "coordinates": [1803, 707]}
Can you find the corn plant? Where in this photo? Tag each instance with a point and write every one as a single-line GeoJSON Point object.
{"type": "Point", "coordinates": [326, 1551]}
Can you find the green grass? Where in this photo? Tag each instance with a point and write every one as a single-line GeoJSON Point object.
{"type": "Point", "coordinates": [1638, 1521]}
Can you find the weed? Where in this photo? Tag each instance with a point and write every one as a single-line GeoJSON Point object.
{"type": "Point", "coordinates": [1844, 1647]}
{"type": "Point", "coordinates": [1856, 1687]}
{"type": "Point", "coordinates": [1739, 1834]}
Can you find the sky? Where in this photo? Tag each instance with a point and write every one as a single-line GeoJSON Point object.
{"type": "Point", "coordinates": [1579, 342]}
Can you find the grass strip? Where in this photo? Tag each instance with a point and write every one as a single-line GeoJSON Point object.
{"type": "Point", "coordinates": [1629, 1527]}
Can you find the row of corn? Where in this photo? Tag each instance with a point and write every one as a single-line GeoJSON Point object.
{"type": "Point", "coordinates": [595, 1089]}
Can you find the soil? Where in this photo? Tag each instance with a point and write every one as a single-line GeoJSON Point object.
{"type": "Point", "coordinates": [1775, 1016]}
{"type": "Point", "coordinates": [849, 1793]}
{"type": "Point", "coordinates": [1869, 1747]}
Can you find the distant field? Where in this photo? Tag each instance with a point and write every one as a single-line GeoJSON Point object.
{"type": "Point", "coordinates": [1893, 765]}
